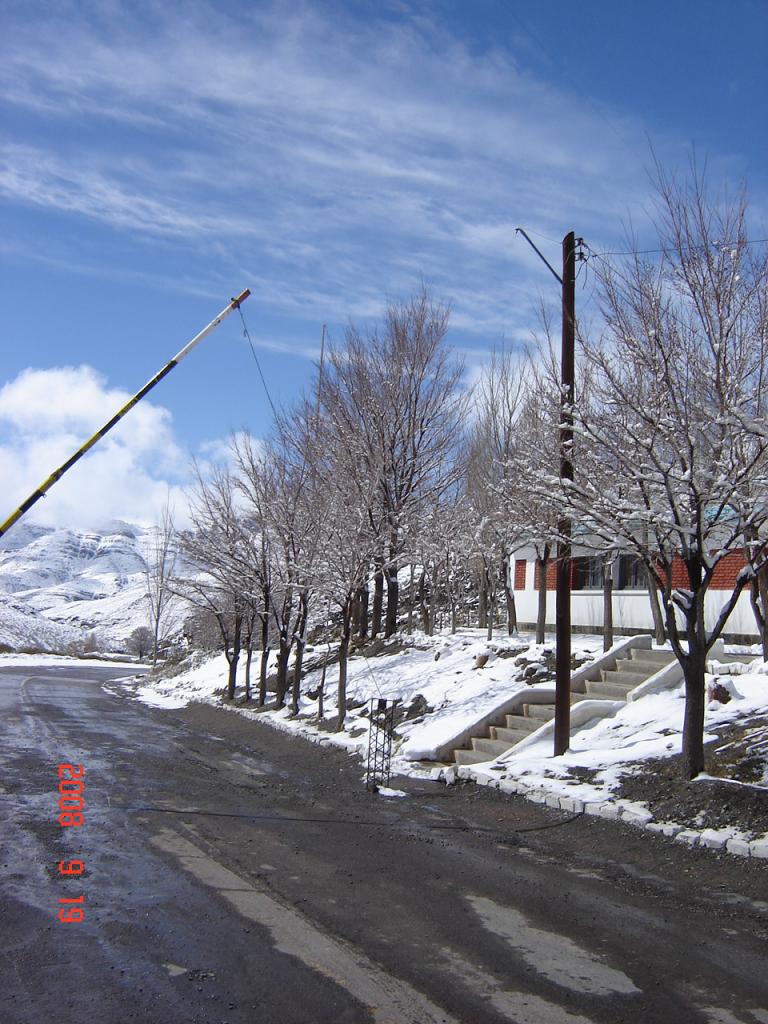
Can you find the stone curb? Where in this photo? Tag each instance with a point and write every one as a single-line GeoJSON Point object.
{"type": "Point", "coordinates": [612, 810]}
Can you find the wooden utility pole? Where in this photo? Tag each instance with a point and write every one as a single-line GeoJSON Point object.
{"type": "Point", "coordinates": [563, 563]}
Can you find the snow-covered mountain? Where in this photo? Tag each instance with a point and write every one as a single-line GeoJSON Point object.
{"type": "Point", "coordinates": [57, 585]}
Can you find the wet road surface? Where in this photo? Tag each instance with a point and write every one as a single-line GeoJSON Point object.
{"type": "Point", "coordinates": [235, 875]}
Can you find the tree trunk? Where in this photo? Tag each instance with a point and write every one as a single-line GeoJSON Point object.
{"type": "Point", "coordinates": [482, 604]}
{"type": "Point", "coordinates": [343, 651]}
{"type": "Point", "coordinates": [608, 602]}
{"type": "Point", "coordinates": [378, 598]}
{"type": "Point", "coordinates": [263, 676]}
{"type": "Point", "coordinates": [423, 605]}
{"type": "Point", "coordinates": [659, 634]}
{"type": "Point", "coordinates": [491, 601]}
{"type": "Point", "coordinates": [298, 663]}
{"type": "Point", "coordinates": [264, 658]}
{"type": "Point", "coordinates": [693, 723]}
{"type": "Point", "coordinates": [758, 597]}
{"type": "Point", "coordinates": [393, 596]}
{"type": "Point", "coordinates": [248, 657]}
{"type": "Point", "coordinates": [283, 653]}
{"type": "Point", "coordinates": [541, 619]}
{"type": "Point", "coordinates": [509, 595]}
{"type": "Point", "coordinates": [234, 657]}
{"type": "Point", "coordinates": [321, 694]}
{"type": "Point", "coordinates": [453, 615]}
{"type": "Point", "coordinates": [362, 629]}
{"type": "Point", "coordinates": [411, 601]}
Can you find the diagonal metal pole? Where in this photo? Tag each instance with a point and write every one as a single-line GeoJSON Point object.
{"type": "Point", "coordinates": [46, 485]}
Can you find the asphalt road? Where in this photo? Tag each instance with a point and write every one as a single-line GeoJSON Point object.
{"type": "Point", "coordinates": [235, 875]}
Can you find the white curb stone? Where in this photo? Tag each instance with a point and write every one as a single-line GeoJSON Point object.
{"type": "Point", "coordinates": [571, 804]}
{"type": "Point", "coordinates": [738, 846]}
{"type": "Point", "coordinates": [688, 835]}
{"type": "Point", "coordinates": [712, 840]}
{"type": "Point", "coordinates": [708, 838]}
{"type": "Point", "coordinates": [666, 828]}
{"type": "Point", "coordinates": [634, 816]}
{"type": "Point", "coordinates": [609, 811]}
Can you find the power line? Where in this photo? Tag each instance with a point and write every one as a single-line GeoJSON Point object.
{"type": "Point", "coordinates": [246, 334]}
{"type": "Point", "coordinates": [648, 252]}
{"type": "Point", "coordinates": [357, 822]}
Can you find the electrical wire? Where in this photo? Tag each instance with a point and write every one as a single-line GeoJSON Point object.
{"type": "Point", "coordinates": [649, 252]}
{"type": "Point", "coordinates": [358, 822]}
{"type": "Point", "coordinates": [247, 336]}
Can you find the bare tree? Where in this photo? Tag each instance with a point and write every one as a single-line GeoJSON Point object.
{"type": "Point", "coordinates": [492, 479]}
{"type": "Point", "coordinates": [677, 407]}
{"type": "Point", "coordinates": [397, 393]}
{"type": "Point", "coordinates": [158, 575]}
{"type": "Point", "coordinates": [140, 642]}
{"type": "Point", "coordinates": [348, 536]}
{"type": "Point", "coordinates": [217, 551]}
{"type": "Point", "coordinates": [532, 513]}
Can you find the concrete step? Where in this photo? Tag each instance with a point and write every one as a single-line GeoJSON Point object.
{"type": "Point", "coordinates": [607, 691]}
{"type": "Point", "coordinates": [540, 712]}
{"type": "Point", "coordinates": [491, 748]}
{"type": "Point", "coordinates": [631, 665]}
{"type": "Point", "coordinates": [576, 697]}
{"type": "Point", "coordinates": [649, 668]}
{"type": "Point", "coordinates": [510, 736]}
{"type": "Point", "coordinates": [628, 679]}
{"type": "Point", "coordinates": [469, 757]}
{"type": "Point", "coordinates": [643, 654]}
{"type": "Point", "coordinates": [521, 722]}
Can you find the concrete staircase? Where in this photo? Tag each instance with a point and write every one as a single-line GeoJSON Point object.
{"type": "Point", "coordinates": [629, 670]}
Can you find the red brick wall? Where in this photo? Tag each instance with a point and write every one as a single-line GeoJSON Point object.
{"type": "Point", "coordinates": [723, 578]}
{"type": "Point", "coordinates": [551, 575]}
{"type": "Point", "coordinates": [726, 571]}
{"type": "Point", "coordinates": [520, 566]}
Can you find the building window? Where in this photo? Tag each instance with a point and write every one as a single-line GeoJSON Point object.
{"type": "Point", "coordinates": [630, 573]}
{"type": "Point", "coordinates": [587, 573]}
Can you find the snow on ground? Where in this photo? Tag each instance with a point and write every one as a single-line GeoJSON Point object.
{"type": "Point", "coordinates": [452, 692]}
{"type": "Point", "coordinates": [31, 660]}
{"type": "Point", "coordinates": [648, 728]}
{"type": "Point", "coordinates": [440, 670]}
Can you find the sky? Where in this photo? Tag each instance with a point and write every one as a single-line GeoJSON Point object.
{"type": "Point", "coordinates": [156, 159]}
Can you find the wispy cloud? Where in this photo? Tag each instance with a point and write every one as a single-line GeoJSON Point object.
{"type": "Point", "coordinates": [333, 159]}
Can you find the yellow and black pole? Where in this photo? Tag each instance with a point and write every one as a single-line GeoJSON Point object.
{"type": "Point", "coordinates": [25, 506]}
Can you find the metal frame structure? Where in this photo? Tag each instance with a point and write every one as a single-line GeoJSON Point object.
{"type": "Point", "coordinates": [382, 718]}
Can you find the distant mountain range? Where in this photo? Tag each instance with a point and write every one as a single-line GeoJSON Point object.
{"type": "Point", "coordinates": [58, 585]}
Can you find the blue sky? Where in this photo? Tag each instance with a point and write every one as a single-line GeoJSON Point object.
{"type": "Point", "coordinates": [156, 158]}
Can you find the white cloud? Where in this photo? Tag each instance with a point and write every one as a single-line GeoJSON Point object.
{"type": "Point", "coordinates": [45, 415]}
